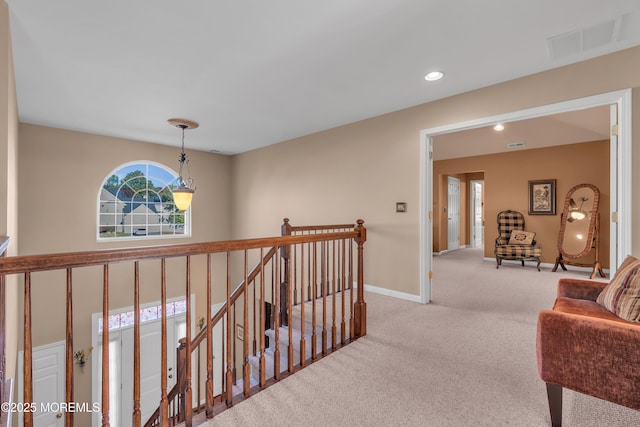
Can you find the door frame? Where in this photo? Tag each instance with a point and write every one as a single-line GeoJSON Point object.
{"type": "Point", "coordinates": [472, 212]}
{"type": "Point", "coordinates": [96, 356]}
{"type": "Point", "coordinates": [459, 245]}
{"type": "Point", "coordinates": [620, 174]}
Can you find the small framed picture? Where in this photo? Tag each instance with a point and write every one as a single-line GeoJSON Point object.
{"type": "Point", "coordinates": [542, 197]}
{"type": "Point", "coordinates": [239, 332]}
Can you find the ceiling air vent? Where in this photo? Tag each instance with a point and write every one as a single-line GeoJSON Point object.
{"type": "Point", "coordinates": [584, 39]}
{"type": "Point", "coordinates": [513, 145]}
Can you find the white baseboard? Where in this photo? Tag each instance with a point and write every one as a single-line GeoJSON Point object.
{"type": "Point", "coordinates": [392, 293]}
{"type": "Point", "coordinates": [444, 251]}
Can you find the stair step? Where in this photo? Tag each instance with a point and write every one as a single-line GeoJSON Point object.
{"type": "Point", "coordinates": [269, 358]}
{"type": "Point", "coordinates": [296, 335]}
{"type": "Point", "coordinates": [239, 385]}
{"type": "Point", "coordinates": [296, 312]}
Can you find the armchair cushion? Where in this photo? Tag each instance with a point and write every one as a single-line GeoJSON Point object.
{"type": "Point", "coordinates": [519, 237]}
{"type": "Point", "coordinates": [517, 251]}
{"type": "Point", "coordinates": [622, 295]}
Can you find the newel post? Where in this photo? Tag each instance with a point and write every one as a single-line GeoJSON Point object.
{"type": "Point", "coordinates": [284, 285]}
{"type": "Point", "coordinates": [360, 306]}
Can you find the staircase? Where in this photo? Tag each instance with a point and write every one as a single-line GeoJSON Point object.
{"type": "Point", "coordinates": [317, 340]}
{"type": "Point", "coordinates": [302, 299]}
{"type": "Point", "coordinates": [294, 306]}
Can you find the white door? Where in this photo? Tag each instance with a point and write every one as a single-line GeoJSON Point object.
{"type": "Point", "coordinates": [48, 375]}
{"type": "Point", "coordinates": [150, 372]}
{"type": "Point", "coordinates": [121, 364]}
{"type": "Point", "coordinates": [477, 217]}
{"type": "Point", "coordinates": [453, 211]}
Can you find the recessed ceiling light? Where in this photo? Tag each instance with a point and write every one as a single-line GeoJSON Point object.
{"type": "Point", "coordinates": [433, 76]}
{"type": "Point", "coordinates": [499, 127]}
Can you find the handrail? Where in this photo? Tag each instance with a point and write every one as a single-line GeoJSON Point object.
{"type": "Point", "coordinates": [33, 263]}
{"type": "Point", "coordinates": [295, 228]}
{"type": "Point", "coordinates": [319, 273]}
{"type": "Point", "coordinates": [234, 296]}
{"type": "Point", "coordinates": [200, 336]}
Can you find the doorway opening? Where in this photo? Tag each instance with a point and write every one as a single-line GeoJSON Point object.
{"type": "Point", "coordinates": [476, 217]}
{"type": "Point", "coordinates": [620, 173]}
{"type": "Point", "coordinates": [453, 213]}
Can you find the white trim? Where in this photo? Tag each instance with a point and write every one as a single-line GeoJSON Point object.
{"type": "Point", "coordinates": [392, 293]}
{"type": "Point", "coordinates": [96, 340]}
{"type": "Point", "coordinates": [624, 243]}
{"type": "Point", "coordinates": [545, 110]}
{"type": "Point", "coordinates": [426, 223]}
{"type": "Point", "coordinates": [472, 213]}
{"type": "Point", "coordinates": [621, 183]}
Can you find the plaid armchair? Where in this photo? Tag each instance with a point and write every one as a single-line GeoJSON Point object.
{"type": "Point", "coordinates": [515, 246]}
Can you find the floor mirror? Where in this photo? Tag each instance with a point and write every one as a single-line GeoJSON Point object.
{"type": "Point", "coordinates": [580, 229]}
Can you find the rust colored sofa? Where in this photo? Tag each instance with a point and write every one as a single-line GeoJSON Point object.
{"type": "Point", "coordinates": [584, 347]}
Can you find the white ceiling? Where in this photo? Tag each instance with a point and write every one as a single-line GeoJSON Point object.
{"type": "Point", "coordinates": [256, 72]}
{"type": "Point", "coordinates": [572, 127]}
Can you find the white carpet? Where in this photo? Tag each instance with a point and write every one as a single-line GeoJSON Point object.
{"type": "Point", "coordinates": [467, 359]}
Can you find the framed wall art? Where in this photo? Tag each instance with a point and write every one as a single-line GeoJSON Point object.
{"type": "Point", "coordinates": [542, 197]}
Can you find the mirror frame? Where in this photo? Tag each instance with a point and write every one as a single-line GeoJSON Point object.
{"type": "Point", "coordinates": [592, 222]}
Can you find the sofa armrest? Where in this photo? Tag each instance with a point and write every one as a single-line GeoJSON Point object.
{"type": "Point", "coordinates": [580, 289]}
{"type": "Point", "coordinates": [590, 355]}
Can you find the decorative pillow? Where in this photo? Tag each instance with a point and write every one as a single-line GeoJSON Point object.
{"type": "Point", "coordinates": [622, 295]}
{"type": "Point", "coordinates": [519, 237]}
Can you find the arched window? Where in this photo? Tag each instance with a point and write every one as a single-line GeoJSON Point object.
{"type": "Point", "coordinates": [136, 202]}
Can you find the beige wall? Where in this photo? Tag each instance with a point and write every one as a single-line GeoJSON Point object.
{"type": "Point", "coordinates": [8, 178]}
{"type": "Point", "coordinates": [60, 176]}
{"type": "Point", "coordinates": [362, 169]}
{"type": "Point", "coordinates": [506, 178]}
{"type": "Point", "coordinates": [61, 173]}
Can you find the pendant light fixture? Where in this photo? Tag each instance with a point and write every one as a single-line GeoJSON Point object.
{"type": "Point", "coordinates": [183, 192]}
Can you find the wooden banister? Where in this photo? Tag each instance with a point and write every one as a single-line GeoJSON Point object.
{"type": "Point", "coordinates": [237, 293]}
{"type": "Point", "coordinates": [35, 263]}
{"type": "Point", "coordinates": [305, 264]}
{"type": "Point", "coordinates": [289, 230]}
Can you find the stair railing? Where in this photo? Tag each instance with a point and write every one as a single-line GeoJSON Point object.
{"type": "Point", "coordinates": [176, 397]}
{"type": "Point", "coordinates": [319, 261]}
